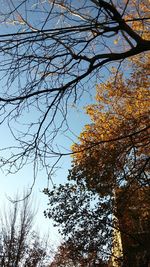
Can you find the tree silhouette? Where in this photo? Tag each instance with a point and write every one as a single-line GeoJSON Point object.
{"type": "Point", "coordinates": [19, 244]}
{"type": "Point", "coordinates": [49, 52]}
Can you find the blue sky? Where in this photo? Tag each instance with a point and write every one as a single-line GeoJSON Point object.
{"type": "Point", "coordinates": [13, 183]}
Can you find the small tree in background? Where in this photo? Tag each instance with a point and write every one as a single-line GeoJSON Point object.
{"type": "Point", "coordinates": [20, 246]}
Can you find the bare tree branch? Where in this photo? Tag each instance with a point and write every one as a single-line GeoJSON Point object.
{"type": "Point", "coordinates": [48, 53]}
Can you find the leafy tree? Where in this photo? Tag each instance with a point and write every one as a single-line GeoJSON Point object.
{"type": "Point", "coordinates": [82, 217]}
{"type": "Point", "coordinates": [62, 258]}
{"type": "Point", "coordinates": [113, 149]}
{"type": "Point", "coordinates": [19, 244]}
{"type": "Point", "coordinates": [49, 52]}
{"type": "Point", "coordinates": [112, 154]}
{"type": "Point", "coordinates": [67, 257]}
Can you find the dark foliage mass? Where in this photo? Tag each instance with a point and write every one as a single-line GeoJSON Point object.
{"type": "Point", "coordinates": [83, 217]}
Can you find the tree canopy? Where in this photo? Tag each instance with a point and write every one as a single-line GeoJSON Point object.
{"type": "Point", "coordinates": [50, 54]}
{"type": "Point", "coordinates": [112, 156]}
{"type": "Point", "coordinates": [64, 258]}
{"type": "Point", "coordinates": [115, 146]}
{"type": "Point", "coordinates": [85, 222]}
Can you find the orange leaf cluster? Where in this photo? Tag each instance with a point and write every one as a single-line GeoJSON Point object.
{"type": "Point", "coordinates": [114, 147]}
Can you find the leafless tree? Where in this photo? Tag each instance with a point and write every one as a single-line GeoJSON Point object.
{"type": "Point", "coordinates": [19, 244]}
{"type": "Point", "coordinates": [50, 51]}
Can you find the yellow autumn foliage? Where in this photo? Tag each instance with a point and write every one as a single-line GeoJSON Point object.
{"type": "Point", "coordinates": [115, 146]}
{"type": "Point", "coordinates": [140, 9]}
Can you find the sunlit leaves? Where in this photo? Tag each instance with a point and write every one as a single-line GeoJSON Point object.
{"type": "Point", "coordinates": [114, 147]}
